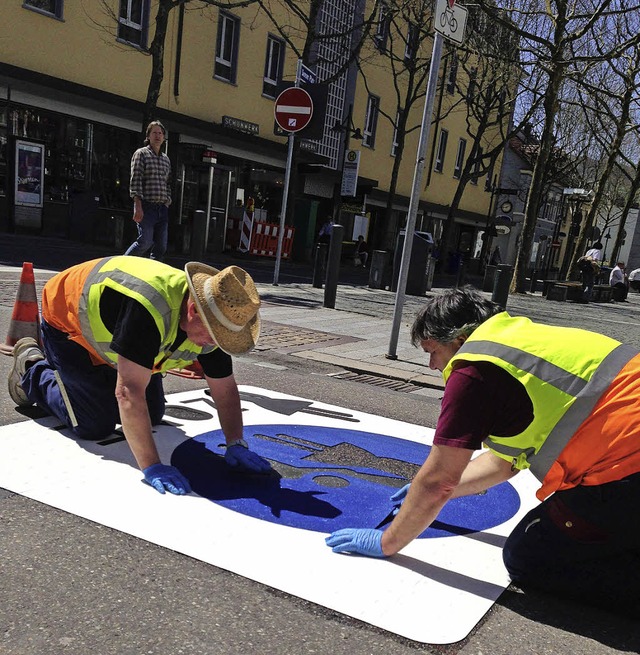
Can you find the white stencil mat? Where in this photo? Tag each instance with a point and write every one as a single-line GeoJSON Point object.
{"type": "Point", "coordinates": [435, 591]}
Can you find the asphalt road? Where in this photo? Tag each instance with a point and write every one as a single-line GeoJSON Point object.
{"type": "Point", "coordinates": [69, 586]}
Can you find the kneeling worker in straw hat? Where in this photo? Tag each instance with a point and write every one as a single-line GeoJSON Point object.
{"type": "Point", "coordinates": [111, 327]}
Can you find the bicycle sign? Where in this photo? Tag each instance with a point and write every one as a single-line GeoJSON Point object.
{"type": "Point", "coordinates": [450, 20]}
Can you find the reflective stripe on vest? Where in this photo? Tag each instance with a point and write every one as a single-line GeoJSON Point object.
{"type": "Point", "coordinates": [163, 305]}
{"type": "Point", "coordinates": [562, 398]}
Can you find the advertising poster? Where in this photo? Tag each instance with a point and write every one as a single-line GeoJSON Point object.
{"type": "Point", "coordinates": [29, 174]}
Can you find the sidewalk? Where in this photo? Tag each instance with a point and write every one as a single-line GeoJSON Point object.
{"type": "Point", "coordinates": [356, 334]}
{"type": "Point", "coordinates": [363, 317]}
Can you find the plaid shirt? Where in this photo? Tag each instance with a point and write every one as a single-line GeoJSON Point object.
{"type": "Point", "coordinates": [150, 176]}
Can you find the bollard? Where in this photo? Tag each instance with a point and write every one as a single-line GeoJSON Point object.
{"type": "Point", "coordinates": [198, 232]}
{"type": "Point", "coordinates": [320, 265]}
{"type": "Point", "coordinates": [501, 285]}
{"type": "Point", "coordinates": [378, 267]}
{"type": "Point", "coordinates": [534, 281]}
{"type": "Point", "coordinates": [118, 232]}
{"type": "Point", "coordinates": [431, 267]}
{"type": "Point", "coordinates": [462, 273]}
{"type": "Point", "coordinates": [333, 266]}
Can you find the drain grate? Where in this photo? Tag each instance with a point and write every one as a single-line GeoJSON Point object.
{"type": "Point", "coordinates": [289, 339]}
{"type": "Point", "coordinates": [387, 383]}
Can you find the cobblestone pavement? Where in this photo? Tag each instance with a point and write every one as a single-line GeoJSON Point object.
{"type": "Point", "coordinates": [356, 334]}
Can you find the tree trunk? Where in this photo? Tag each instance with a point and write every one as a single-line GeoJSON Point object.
{"type": "Point", "coordinates": [156, 49]}
{"type": "Point", "coordinates": [535, 194]}
{"type": "Point", "coordinates": [631, 201]}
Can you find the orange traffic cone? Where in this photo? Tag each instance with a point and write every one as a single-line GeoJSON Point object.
{"type": "Point", "coordinates": [25, 320]}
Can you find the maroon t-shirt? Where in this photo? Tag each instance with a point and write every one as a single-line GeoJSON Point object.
{"type": "Point", "coordinates": [480, 399]}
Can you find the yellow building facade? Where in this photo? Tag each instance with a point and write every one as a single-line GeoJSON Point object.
{"type": "Point", "coordinates": [77, 99]}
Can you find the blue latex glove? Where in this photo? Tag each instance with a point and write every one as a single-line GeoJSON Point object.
{"type": "Point", "coordinates": [162, 476]}
{"type": "Point", "coordinates": [239, 456]}
{"type": "Point", "coordinates": [399, 496]}
{"type": "Point", "coordinates": [362, 541]}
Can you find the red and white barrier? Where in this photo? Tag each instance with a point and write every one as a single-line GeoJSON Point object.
{"type": "Point", "coordinates": [264, 240]}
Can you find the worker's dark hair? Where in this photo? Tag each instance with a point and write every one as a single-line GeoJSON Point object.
{"type": "Point", "coordinates": [454, 313]}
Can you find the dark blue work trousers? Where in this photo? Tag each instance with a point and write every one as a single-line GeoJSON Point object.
{"type": "Point", "coordinates": [153, 231]}
{"type": "Point", "coordinates": [582, 543]}
{"type": "Point", "coordinates": [90, 389]}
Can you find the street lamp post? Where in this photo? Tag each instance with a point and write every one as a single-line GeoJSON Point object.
{"type": "Point", "coordinates": [606, 237]}
{"type": "Point", "coordinates": [350, 132]}
{"type": "Point", "coordinates": [337, 231]}
{"type": "Point", "coordinates": [485, 251]}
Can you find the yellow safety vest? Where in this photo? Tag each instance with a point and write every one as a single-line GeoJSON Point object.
{"type": "Point", "coordinates": [565, 371]}
{"type": "Point", "coordinates": [160, 288]}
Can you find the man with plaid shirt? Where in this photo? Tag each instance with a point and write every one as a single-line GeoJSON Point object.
{"type": "Point", "coordinates": [151, 193]}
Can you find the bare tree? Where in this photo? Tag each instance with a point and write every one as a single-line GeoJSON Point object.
{"type": "Point", "coordinates": [157, 46]}
{"type": "Point", "coordinates": [401, 46]}
{"type": "Point", "coordinates": [484, 73]}
{"type": "Point", "coordinates": [556, 44]}
{"type": "Point", "coordinates": [614, 102]}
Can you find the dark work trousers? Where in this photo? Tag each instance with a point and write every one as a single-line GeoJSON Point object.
{"type": "Point", "coordinates": [588, 280]}
{"type": "Point", "coordinates": [619, 292]}
{"type": "Point", "coordinates": [90, 389]}
{"type": "Point", "coordinates": [153, 231]}
{"type": "Point", "coordinates": [582, 543]}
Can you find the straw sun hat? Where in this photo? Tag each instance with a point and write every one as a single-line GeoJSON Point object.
{"type": "Point", "coordinates": [227, 302]}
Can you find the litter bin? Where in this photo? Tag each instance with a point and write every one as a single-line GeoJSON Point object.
{"type": "Point", "coordinates": [501, 285]}
{"type": "Point", "coordinates": [489, 277]}
{"type": "Point", "coordinates": [420, 255]}
{"type": "Point", "coordinates": [378, 266]}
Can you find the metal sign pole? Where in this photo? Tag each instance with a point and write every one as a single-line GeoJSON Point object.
{"type": "Point", "coordinates": [283, 210]}
{"type": "Point", "coordinates": [415, 194]}
{"type": "Point", "coordinates": [285, 193]}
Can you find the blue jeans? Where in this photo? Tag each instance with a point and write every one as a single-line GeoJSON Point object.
{"type": "Point", "coordinates": [582, 543]}
{"type": "Point", "coordinates": [153, 232]}
{"type": "Point", "coordinates": [90, 389]}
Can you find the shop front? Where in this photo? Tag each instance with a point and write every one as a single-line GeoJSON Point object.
{"type": "Point", "coordinates": [61, 175]}
{"type": "Point", "coordinates": [221, 186]}
{"type": "Point", "coordinates": [64, 176]}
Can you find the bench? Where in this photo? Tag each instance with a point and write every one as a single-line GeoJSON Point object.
{"type": "Point", "coordinates": [547, 284]}
{"type": "Point", "coordinates": [601, 293]}
{"type": "Point", "coordinates": [562, 291]}
{"type": "Point", "coordinates": [572, 291]}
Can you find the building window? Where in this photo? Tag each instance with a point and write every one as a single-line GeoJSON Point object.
{"type": "Point", "coordinates": [382, 28]}
{"type": "Point", "coordinates": [226, 64]}
{"type": "Point", "coordinates": [462, 146]}
{"type": "Point", "coordinates": [442, 150]}
{"type": "Point", "coordinates": [453, 74]}
{"type": "Point", "coordinates": [51, 7]}
{"type": "Point", "coordinates": [412, 40]}
{"type": "Point", "coordinates": [371, 122]}
{"type": "Point", "coordinates": [394, 143]}
{"type": "Point", "coordinates": [489, 183]}
{"type": "Point", "coordinates": [273, 64]}
{"type": "Point", "coordinates": [133, 22]}
{"type": "Point", "coordinates": [475, 175]}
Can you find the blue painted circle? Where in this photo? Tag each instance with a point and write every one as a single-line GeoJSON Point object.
{"type": "Point", "coordinates": [328, 478]}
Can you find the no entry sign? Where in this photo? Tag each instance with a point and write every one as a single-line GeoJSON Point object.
{"type": "Point", "coordinates": [293, 109]}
